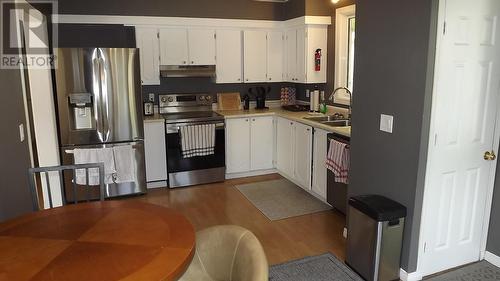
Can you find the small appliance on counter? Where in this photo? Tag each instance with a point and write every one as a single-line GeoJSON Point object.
{"type": "Point", "coordinates": [260, 94]}
{"type": "Point", "coordinates": [149, 109]}
{"type": "Point", "coordinates": [296, 107]}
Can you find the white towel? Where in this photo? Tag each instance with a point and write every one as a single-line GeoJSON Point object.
{"type": "Point", "coordinates": [338, 161]}
{"type": "Point", "coordinates": [197, 140]}
{"type": "Point", "coordinates": [90, 156]}
{"type": "Point", "coordinates": [124, 163]}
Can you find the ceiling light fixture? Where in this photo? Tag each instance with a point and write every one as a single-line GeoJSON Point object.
{"type": "Point", "coordinates": [335, 1]}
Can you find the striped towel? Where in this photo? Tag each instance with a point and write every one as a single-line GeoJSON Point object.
{"type": "Point", "coordinates": [338, 161]}
{"type": "Point", "coordinates": [197, 140]}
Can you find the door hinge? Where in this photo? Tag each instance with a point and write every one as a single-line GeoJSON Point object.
{"type": "Point", "coordinates": [215, 35]}
{"type": "Point", "coordinates": [425, 247]}
{"type": "Point", "coordinates": [444, 28]}
{"type": "Point", "coordinates": [158, 35]}
{"type": "Point", "coordinates": [435, 139]}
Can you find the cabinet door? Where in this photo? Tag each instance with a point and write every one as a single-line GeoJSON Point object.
{"type": "Point", "coordinates": [229, 59]}
{"type": "Point", "coordinates": [155, 151]}
{"type": "Point", "coordinates": [317, 38]}
{"type": "Point", "coordinates": [301, 55]}
{"type": "Point", "coordinates": [291, 55]}
{"type": "Point", "coordinates": [201, 46]}
{"type": "Point", "coordinates": [275, 48]}
{"type": "Point", "coordinates": [237, 145]}
{"type": "Point", "coordinates": [254, 56]}
{"type": "Point", "coordinates": [261, 143]}
{"type": "Point", "coordinates": [302, 155]}
{"type": "Point", "coordinates": [174, 46]}
{"type": "Point", "coordinates": [149, 55]}
{"type": "Point", "coordinates": [319, 159]}
{"type": "Point", "coordinates": [284, 146]}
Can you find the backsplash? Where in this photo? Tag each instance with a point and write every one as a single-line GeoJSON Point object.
{"type": "Point", "coordinates": [207, 85]}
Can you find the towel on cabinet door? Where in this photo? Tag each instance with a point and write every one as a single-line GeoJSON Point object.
{"type": "Point", "coordinates": [338, 161]}
{"type": "Point", "coordinates": [197, 140]}
{"type": "Point", "coordinates": [90, 156]}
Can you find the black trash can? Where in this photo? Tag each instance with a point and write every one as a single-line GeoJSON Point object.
{"type": "Point", "coordinates": [375, 237]}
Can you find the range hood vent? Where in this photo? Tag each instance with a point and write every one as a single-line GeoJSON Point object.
{"type": "Point", "coordinates": [187, 71]}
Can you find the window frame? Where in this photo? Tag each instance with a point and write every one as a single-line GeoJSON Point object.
{"type": "Point", "coordinates": [342, 16]}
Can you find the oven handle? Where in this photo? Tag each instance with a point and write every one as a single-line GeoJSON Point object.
{"type": "Point", "coordinates": [174, 128]}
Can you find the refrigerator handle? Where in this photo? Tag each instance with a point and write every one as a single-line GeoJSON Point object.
{"type": "Point", "coordinates": [104, 78]}
{"type": "Point", "coordinates": [96, 81]}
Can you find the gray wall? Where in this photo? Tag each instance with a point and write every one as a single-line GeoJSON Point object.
{"type": "Point", "coordinates": [494, 232]}
{"type": "Point", "coordinates": [393, 75]}
{"type": "Point", "coordinates": [15, 197]}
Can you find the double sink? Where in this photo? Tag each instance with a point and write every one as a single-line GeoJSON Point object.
{"type": "Point", "coordinates": [330, 120]}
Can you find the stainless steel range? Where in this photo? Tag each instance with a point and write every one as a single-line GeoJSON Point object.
{"type": "Point", "coordinates": [182, 110]}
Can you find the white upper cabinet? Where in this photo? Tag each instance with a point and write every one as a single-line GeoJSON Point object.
{"type": "Point", "coordinates": [181, 46]}
{"type": "Point", "coordinates": [201, 46]}
{"type": "Point", "coordinates": [291, 55]}
{"type": "Point", "coordinates": [301, 55]}
{"type": "Point", "coordinates": [317, 38]}
{"type": "Point", "coordinates": [275, 58]}
{"type": "Point", "coordinates": [229, 56]}
{"type": "Point", "coordinates": [149, 54]}
{"type": "Point", "coordinates": [302, 155]}
{"type": "Point", "coordinates": [255, 56]}
{"type": "Point", "coordinates": [174, 46]}
{"type": "Point", "coordinates": [262, 143]}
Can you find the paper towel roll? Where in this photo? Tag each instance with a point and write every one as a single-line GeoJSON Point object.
{"type": "Point", "coordinates": [315, 96]}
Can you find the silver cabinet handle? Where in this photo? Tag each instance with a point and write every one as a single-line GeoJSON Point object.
{"type": "Point", "coordinates": [184, 62]}
{"type": "Point", "coordinates": [239, 79]}
{"type": "Point", "coordinates": [192, 62]}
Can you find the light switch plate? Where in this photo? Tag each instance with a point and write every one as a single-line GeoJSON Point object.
{"type": "Point", "coordinates": [151, 97]}
{"type": "Point", "coordinates": [21, 132]}
{"type": "Point", "coordinates": [386, 123]}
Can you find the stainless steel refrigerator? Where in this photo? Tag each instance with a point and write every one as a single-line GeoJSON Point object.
{"type": "Point", "coordinates": [99, 105]}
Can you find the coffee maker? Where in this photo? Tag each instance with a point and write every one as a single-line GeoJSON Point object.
{"type": "Point", "coordinates": [260, 94]}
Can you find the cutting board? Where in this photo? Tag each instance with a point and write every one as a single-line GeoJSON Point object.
{"type": "Point", "coordinates": [229, 101]}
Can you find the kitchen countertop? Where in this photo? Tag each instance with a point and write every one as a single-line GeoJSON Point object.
{"type": "Point", "coordinates": [294, 116]}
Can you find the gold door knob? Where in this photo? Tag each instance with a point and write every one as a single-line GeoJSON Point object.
{"type": "Point", "coordinates": [490, 156]}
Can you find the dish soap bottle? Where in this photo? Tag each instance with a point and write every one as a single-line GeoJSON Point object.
{"type": "Point", "coordinates": [322, 106]}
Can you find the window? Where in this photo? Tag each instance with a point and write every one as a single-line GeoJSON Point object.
{"type": "Point", "coordinates": [345, 34]}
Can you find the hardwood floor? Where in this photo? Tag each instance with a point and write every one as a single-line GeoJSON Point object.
{"type": "Point", "coordinates": [283, 240]}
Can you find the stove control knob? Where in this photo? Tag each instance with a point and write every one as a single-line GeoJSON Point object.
{"type": "Point", "coordinates": [201, 98]}
{"type": "Point", "coordinates": [208, 98]}
{"type": "Point", "coordinates": [164, 99]}
{"type": "Point", "coordinates": [170, 99]}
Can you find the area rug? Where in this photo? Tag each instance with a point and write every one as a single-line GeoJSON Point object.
{"type": "Point", "coordinates": [280, 199]}
{"type": "Point", "coordinates": [325, 267]}
{"type": "Point", "coordinates": [481, 271]}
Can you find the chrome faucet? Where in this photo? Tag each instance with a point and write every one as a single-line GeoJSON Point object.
{"type": "Point", "coordinates": [332, 96]}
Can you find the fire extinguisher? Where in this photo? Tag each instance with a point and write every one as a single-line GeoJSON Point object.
{"type": "Point", "coordinates": [317, 60]}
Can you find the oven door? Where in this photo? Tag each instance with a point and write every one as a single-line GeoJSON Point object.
{"type": "Point", "coordinates": [199, 169]}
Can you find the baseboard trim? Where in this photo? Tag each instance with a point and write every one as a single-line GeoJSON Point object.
{"type": "Point", "coordinates": [413, 276]}
{"type": "Point", "coordinates": [250, 174]}
{"type": "Point", "coordinates": [492, 258]}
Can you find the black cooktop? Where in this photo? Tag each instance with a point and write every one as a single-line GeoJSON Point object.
{"type": "Point", "coordinates": [195, 116]}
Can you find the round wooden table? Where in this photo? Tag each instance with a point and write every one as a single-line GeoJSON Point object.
{"type": "Point", "coordinates": [111, 240]}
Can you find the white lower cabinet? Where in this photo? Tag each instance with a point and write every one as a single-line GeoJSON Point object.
{"type": "Point", "coordinates": [320, 152]}
{"type": "Point", "coordinates": [294, 151]}
{"type": "Point", "coordinates": [155, 151]}
{"type": "Point", "coordinates": [249, 144]}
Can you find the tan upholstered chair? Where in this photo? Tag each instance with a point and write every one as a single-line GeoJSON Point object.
{"type": "Point", "coordinates": [227, 253]}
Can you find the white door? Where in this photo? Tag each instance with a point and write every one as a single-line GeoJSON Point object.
{"type": "Point", "coordinates": [174, 46]}
{"type": "Point", "coordinates": [201, 46]}
{"type": "Point", "coordinates": [155, 151]}
{"type": "Point", "coordinates": [275, 52]}
{"type": "Point", "coordinates": [229, 56]}
{"type": "Point", "coordinates": [319, 160]}
{"type": "Point", "coordinates": [237, 145]}
{"type": "Point", "coordinates": [303, 155]}
{"type": "Point", "coordinates": [301, 55]}
{"type": "Point", "coordinates": [261, 143]}
{"type": "Point", "coordinates": [291, 55]}
{"type": "Point", "coordinates": [459, 181]}
{"type": "Point", "coordinates": [254, 56]}
{"type": "Point", "coordinates": [284, 146]}
{"type": "Point", "coordinates": [149, 54]}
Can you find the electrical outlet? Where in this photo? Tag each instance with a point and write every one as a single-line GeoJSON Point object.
{"type": "Point", "coordinates": [308, 93]}
{"type": "Point", "coordinates": [345, 233]}
{"type": "Point", "coordinates": [386, 123]}
{"type": "Point", "coordinates": [151, 97]}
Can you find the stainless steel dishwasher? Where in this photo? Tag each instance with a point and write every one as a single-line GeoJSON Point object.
{"type": "Point", "coordinates": [336, 193]}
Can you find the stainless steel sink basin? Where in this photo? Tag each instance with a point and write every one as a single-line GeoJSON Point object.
{"type": "Point", "coordinates": [337, 123]}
